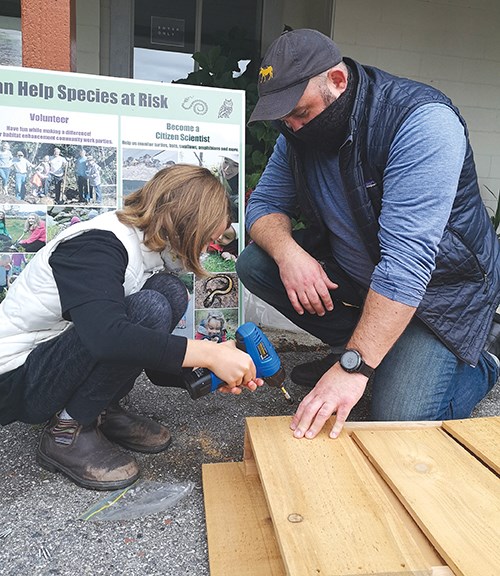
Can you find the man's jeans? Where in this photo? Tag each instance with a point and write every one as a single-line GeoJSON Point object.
{"type": "Point", "coordinates": [61, 373]}
{"type": "Point", "coordinates": [4, 175]}
{"type": "Point", "coordinates": [419, 378]}
{"type": "Point", "coordinates": [20, 185]}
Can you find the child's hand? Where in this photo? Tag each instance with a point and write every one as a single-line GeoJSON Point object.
{"type": "Point", "coordinates": [236, 368]}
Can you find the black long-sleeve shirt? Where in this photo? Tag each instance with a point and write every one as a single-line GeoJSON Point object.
{"type": "Point", "coordinates": [89, 271]}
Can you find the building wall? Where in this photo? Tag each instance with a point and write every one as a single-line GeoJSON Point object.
{"type": "Point", "coordinates": [451, 44]}
{"type": "Point", "coordinates": [315, 14]}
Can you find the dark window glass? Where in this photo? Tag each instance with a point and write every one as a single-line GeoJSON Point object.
{"type": "Point", "coordinates": [168, 33]}
{"type": "Point", "coordinates": [10, 8]}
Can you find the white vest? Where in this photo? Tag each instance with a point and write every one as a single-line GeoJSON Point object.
{"type": "Point", "coordinates": [31, 312]}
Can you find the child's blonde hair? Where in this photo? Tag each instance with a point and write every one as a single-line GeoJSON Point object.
{"type": "Point", "coordinates": [181, 207]}
{"type": "Point", "coordinates": [36, 218]}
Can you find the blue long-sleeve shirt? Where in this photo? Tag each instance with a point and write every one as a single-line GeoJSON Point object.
{"type": "Point", "coordinates": [419, 187]}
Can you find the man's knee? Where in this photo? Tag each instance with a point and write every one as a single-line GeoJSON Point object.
{"type": "Point", "coordinates": [244, 264]}
{"type": "Point", "coordinates": [255, 268]}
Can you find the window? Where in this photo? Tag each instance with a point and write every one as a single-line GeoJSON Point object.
{"type": "Point", "coordinates": [10, 33]}
{"type": "Point", "coordinates": [168, 33]}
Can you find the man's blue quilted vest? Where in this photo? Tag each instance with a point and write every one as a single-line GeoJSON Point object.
{"type": "Point", "coordinates": [464, 290]}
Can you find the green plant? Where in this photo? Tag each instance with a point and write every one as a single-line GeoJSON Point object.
{"type": "Point", "coordinates": [215, 263]}
{"type": "Point", "coordinates": [219, 67]}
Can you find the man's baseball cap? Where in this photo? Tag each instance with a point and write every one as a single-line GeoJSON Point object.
{"type": "Point", "coordinates": [290, 62]}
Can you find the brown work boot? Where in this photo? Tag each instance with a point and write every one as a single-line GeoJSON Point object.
{"type": "Point", "coordinates": [85, 455]}
{"type": "Point", "coordinates": [134, 431]}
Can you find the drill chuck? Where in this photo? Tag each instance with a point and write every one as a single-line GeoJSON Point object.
{"type": "Point", "coordinates": [276, 380]}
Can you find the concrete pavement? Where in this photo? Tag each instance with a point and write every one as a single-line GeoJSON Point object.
{"type": "Point", "coordinates": [40, 533]}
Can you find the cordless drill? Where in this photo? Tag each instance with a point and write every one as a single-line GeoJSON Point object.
{"type": "Point", "coordinates": [249, 339]}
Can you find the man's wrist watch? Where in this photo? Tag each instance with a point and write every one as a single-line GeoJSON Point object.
{"type": "Point", "coordinates": [351, 361]}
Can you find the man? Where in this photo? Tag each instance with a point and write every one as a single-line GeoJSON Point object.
{"type": "Point", "coordinates": [399, 269]}
{"type": "Point", "coordinates": [21, 166]}
{"type": "Point", "coordinates": [93, 173]}
{"type": "Point", "coordinates": [5, 164]}
{"type": "Point", "coordinates": [58, 165]}
{"type": "Point", "coordinates": [81, 177]}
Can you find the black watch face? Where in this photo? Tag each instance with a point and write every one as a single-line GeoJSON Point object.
{"type": "Point", "coordinates": [350, 360]}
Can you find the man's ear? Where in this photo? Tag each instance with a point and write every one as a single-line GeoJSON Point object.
{"type": "Point", "coordinates": [338, 77]}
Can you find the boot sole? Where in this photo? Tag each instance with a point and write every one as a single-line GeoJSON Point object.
{"type": "Point", "coordinates": [53, 466]}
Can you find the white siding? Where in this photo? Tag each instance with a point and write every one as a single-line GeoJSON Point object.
{"type": "Point", "coordinates": [451, 44]}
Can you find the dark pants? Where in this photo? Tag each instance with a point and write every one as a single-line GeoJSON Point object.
{"type": "Point", "coordinates": [61, 373]}
{"type": "Point", "coordinates": [419, 378]}
{"type": "Point", "coordinates": [57, 181]}
{"type": "Point", "coordinates": [33, 246]}
{"type": "Point", "coordinates": [83, 188]}
{"type": "Point", "coordinates": [260, 275]}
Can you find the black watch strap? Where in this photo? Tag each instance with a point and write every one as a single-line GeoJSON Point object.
{"type": "Point", "coordinates": [351, 361]}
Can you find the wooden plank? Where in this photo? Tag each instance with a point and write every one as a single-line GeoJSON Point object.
{"type": "Point", "coordinates": [441, 571]}
{"type": "Point", "coordinates": [480, 435]}
{"type": "Point", "coordinates": [248, 458]}
{"type": "Point", "coordinates": [391, 425]}
{"type": "Point", "coordinates": [240, 534]}
{"type": "Point", "coordinates": [330, 515]}
{"type": "Point", "coordinates": [450, 494]}
{"type": "Point", "coordinates": [349, 427]}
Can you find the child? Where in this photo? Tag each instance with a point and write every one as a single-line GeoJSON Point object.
{"type": "Point", "coordinates": [226, 244]}
{"type": "Point", "coordinates": [5, 237]}
{"type": "Point", "coordinates": [212, 328]}
{"type": "Point", "coordinates": [71, 349]}
{"type": "Point", "coordinates": [18, 263]}
{"type": "Point", "coordinates": [5, 271]}
{"type": "Point", "coordinates": [39, 180]}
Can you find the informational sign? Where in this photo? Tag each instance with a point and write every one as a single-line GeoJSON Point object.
{"type": "Point", "coordinates": [73, 145]}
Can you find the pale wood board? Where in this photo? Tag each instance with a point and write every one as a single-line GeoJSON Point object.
{"type": "Point", "coordinates": [428, 551]}
{"type": "Point", "coordinates": [481, 436]}
{"type": "Point", "coordinates": [450, 494]}
{"type": "Point", "coordinates": [240, 534]}
{"type": "Point", "coordinates": [349, 525]}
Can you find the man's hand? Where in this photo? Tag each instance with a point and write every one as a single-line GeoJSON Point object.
{"type": "Point", "coordinates": [337, 392]}
{"type": "Point", "coordinates": [306, 283]}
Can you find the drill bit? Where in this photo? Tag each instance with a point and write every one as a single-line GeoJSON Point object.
{"type": "Point", "coordinates": [286, 395]}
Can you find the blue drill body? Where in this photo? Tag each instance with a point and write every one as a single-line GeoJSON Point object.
{"type": "Point", "coordinates": [254, 342]}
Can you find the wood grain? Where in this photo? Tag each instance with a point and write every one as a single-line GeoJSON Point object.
{"type": "Point", "coordinates": [481, 436]}
{"type": "Point", "coordinates": [240, 534]}
{"type": "Point", "coordinates": [450, 494]}
{"type": "Point", "coordinates": [330, 515]}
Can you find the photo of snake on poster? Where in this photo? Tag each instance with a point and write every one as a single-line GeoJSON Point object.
{"type": "Point", "coordinates": [217, 291]}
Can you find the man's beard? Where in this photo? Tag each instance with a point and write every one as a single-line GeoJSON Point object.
{"type": "Point", "coordinates": [328, 130]}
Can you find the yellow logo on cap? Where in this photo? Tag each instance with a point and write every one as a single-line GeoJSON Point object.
{"type": "Point", "coordinates": [265, 74]}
